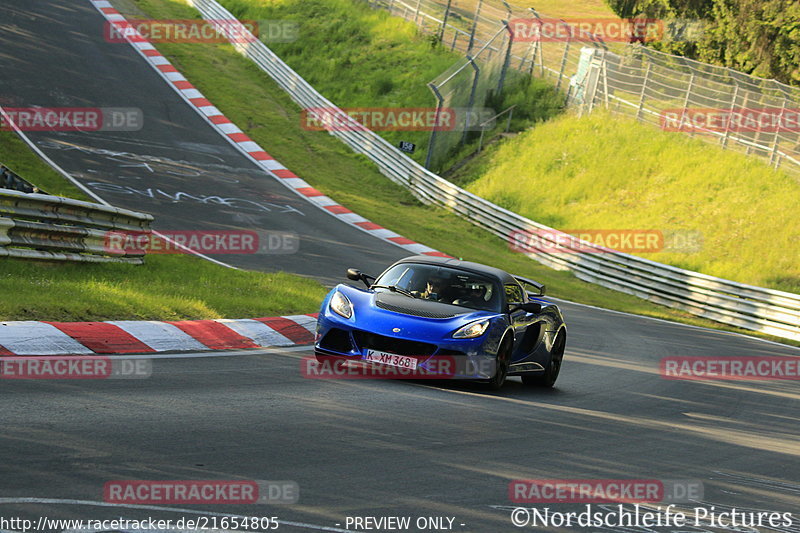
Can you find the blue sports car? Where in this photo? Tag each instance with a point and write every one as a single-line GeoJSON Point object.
{"type": "Point", "coordinates": [442, 317]}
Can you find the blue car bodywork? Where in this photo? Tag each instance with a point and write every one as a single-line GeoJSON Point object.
{"type": "Point", "coordinates": [524, 338]}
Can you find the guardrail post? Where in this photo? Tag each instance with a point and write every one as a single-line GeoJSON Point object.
{"type": "Point", "coordinates": [416, 13]}
{"type": "Point", "coordinates": [432, 138]}
{"type": "Point", "coordinates": [474, 26]}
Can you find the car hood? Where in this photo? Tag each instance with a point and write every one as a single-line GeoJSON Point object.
{"type": "Point", "coordinates": [385, 312]}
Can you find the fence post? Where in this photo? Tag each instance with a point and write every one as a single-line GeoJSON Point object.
{"type": "Point", "coordinates": [507, 59]}
{"type": "Point", "coordinates": [432, 138]}
{"type": "Point", "coordinates": [474, 26]}
{"type": "Point", "coordinates": [774, 158]}
{"type": "Point", "coordinates": [754, 133]}
{"type": "Point", "coordinates": [730, 114]}
{"type": "Point", "coordinates": [536, 46]}
{"type": "Point", "coordinates": [604, 70]}
{"type": "Point", "coordinates": [472, 92]}
{"type": "Point", "coordinates": [686, 101]}
{"type": "Point", "coordinates": [644, 88]}
{"type": "Point", "coordinates": [564, 57]}
{"type": "Point", "coordinates": [416, 13]}
{"type": "Point", "coordinates": [444, 21]}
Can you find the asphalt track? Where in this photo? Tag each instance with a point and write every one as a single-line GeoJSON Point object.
{"type": "Point", "coordinates": [356, 448]}
{"type": "Point", "coordinates": [54, 54]}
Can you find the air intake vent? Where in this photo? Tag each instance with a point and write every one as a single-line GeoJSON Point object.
{"type": "Point", "coordinates": [365, 339]}
{"type": "Point", "coordinates": [415, 311]}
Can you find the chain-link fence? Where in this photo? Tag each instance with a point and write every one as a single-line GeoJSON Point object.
{"type": "Point", "coordinates": [463, 90]}
{"type": "Point", "coordinates": [756, 116]}
{"type": "Point", "coordinates": [484, 32]}
{"type": "Point", "coordinates": [753, 115]}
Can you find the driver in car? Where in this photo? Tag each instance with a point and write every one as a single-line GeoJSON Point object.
{"type": "Point", "coordinates": [433, 289]}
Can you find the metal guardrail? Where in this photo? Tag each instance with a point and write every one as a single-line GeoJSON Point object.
{"type": "Point", "coordinates": [754, 308]}
{"type": "Point", "coordinates": [40, 226]}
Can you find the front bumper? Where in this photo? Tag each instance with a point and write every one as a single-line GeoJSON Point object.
{"type": "Point", "coordinates": [468, 359]}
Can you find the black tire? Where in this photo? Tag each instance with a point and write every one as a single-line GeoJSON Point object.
{"type": "Point", "coordinates": [550, 375]}
{"type": "Point", "coordinates": [501, 365]}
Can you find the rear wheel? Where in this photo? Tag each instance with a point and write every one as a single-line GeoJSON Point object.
{"type": "Point", "coordinates": [550, 375]}
{"type": "Point", "coordinates": [501, 365]}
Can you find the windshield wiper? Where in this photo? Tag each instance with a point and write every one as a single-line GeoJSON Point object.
{"type": "Point", "coordinates": [393, 288]}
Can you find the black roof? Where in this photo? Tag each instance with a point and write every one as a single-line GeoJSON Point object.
{"type": "Point", "coordinates": [500, 275]}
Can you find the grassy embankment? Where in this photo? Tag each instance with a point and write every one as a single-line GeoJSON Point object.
{"type": "Point", "coordinates": [272, 119]}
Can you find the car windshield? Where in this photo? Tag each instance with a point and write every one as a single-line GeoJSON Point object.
{"type": "Point", "coordinates": [443, 284]}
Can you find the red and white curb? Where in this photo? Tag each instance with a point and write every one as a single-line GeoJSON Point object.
{"type": "Point", "coordinates": [238, 138]}
{"type": "Point", "coordinates": [144, 336]}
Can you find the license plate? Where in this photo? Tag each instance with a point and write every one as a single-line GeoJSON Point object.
{"type": "Point", "coordinates": [384, 358]}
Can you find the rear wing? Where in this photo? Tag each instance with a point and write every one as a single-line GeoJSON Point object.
{"type": "Point", "coordinates": [538, 288]}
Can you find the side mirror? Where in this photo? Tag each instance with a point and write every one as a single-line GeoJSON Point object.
{"type": "Point", "coordinates": [357, 275]}
{"type": "Point", "coordinates": [538, 288]}
{"type": "Point", "coordinates": [528, 307]}
{"type": "Point", "coordinates": [536, 294]}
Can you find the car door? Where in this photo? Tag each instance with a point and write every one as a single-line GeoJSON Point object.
{"type": "Point", "coordinates": [528, 329]}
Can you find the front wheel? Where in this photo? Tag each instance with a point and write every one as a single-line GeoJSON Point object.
{"type": "Point", "coordinates": [501, 370]}
{"type": "Point", "coordinates": [550, 375]}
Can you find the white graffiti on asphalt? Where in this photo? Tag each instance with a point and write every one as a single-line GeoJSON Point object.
{"type": "Point", "coordinates": [151, 163]}
{"type": "Point", "coordinates": [240, 203]}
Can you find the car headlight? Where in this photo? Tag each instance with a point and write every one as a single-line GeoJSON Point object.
{"type": "Point", "coordinates": [341, 305]}
{"type": "Point", "coordinates": [472, 330]}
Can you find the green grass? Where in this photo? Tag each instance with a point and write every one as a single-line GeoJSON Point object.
{"type": "Point", "coordinates": [273, 120]}
{"type": "Point", "coordinates": [361, 57]}
{"type": "Point", "coordinates": [164, 288]}
{"type": "Point", "coordinates": [604, 171]}
{"type": "Point", "coordinates": [356, 56]}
